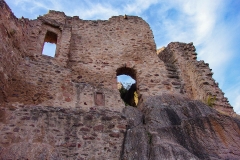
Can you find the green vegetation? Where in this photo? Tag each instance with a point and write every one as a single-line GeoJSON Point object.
{"type": "Point", "coordinates": [122, 91]}
{"type": "Point", "coordinates": [135, 98]}
{"type": "Point", "coordinates": [210, 101]}
{"type": "Point", "coordinates": [129, 95]}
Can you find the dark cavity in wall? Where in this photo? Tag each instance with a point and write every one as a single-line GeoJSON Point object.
{"type": "Point", "coordinates": [127, 85]}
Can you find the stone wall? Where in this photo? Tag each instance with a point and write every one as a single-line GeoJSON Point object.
{"type": "Point", "coordinates": [88, 52]}
{"type": "Point", "coordinates": [69, 106]}
{"type": "Point", "coordinates": [91, 53]}
{"type": "Point", "coordinates": [98, 48]}
{"type": "Point", "coordinates": [11, 50]}
{"type": "Point", "coordinates": [195, 77]}
{"type": "Point", "coordinates": [35, 132]}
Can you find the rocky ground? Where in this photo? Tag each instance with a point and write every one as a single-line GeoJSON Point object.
{"type": "Point", "coordinates": [162, 127]}
{"type": "Point", "coordinates": [172, 127]}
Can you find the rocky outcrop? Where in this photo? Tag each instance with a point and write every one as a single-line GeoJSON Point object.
{"type": "Point", "coordinates": [168, 127]}
{"type": "Point", "coordinates": [173, 127]}
{"type": "Point", "coordinates": [69, 107]}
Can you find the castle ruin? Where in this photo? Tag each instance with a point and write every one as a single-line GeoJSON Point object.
{"type": "Point", "coordinates": [70, 103]}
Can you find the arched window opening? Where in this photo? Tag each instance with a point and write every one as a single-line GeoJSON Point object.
{"type": "Point", "coordinates": [50, 42]}
{"type": "Point", "coordinates": [126, 78]}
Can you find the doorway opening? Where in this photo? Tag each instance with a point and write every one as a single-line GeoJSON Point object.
{"type": "Point", "coordinates": [126, 78]}
{"type": "Point", "coordinates": [50, 44]}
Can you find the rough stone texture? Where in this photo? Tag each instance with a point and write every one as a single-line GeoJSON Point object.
{"type": "Point", "coordinates": [11, 49]}
{"type": "Point", "coordinates": [69, 106]}
{"type": "Point", "coordinates": [92, 54]}
{"type": "Point", "coordinates": [192, 76]}
{"type": "Point", "coordinates": [34, 132]}
{"type": "Point", "coordinates": [173, 127]}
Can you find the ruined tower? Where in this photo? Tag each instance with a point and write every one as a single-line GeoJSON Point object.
{"type": "Point", "coordinates": [69, 106]}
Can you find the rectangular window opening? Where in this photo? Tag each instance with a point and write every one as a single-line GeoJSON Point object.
{"type": "Point", "coordinates": [50, 42]}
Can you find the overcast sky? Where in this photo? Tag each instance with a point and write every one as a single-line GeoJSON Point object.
{"type": "Point", "coordinates": [212, 25]}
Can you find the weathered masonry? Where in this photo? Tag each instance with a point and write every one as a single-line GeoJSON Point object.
{"type": "Point", "coordinates": [88, 56]}
{"type": "Point", "coordinates": [70, 103]}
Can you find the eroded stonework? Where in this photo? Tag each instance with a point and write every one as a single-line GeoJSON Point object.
{"type": "Point", "coordinates": [69, 106]}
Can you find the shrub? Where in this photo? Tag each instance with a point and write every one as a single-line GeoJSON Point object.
{"type": "Point", "coordinates": [210, 101]}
